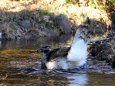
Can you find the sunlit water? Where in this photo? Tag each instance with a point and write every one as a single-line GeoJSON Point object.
{"type": "Point", "coordinates": [20, 66]}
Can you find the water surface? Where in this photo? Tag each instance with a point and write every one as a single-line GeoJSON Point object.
{"type": "Point", "coordinates": [20, 66]}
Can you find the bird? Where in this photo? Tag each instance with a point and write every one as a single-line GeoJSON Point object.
{"type": "Point", "coordinates": [68, 57]}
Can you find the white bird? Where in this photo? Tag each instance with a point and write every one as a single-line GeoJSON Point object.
{"type": "Point", "coordinates": [68, 57]}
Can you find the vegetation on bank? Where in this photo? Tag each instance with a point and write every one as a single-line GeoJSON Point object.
{"type": "Point", "coordinates": [35, 18]}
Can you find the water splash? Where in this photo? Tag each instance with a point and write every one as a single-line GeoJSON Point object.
{"type": "Point", "coordinates": [78, 52]}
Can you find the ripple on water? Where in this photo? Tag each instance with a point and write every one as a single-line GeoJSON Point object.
{"type": "Point", "coordinates": [18, 73]}
{"type": "Point", "coordinates": [25, 71]}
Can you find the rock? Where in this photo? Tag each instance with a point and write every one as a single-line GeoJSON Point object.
{"type": "Point", "coordinates": [113, 24]}
{"type": "Point", "coordinates": [5, 36]}
{"type": "Point", "coordinates": [46, 18]}
{"type": "Point", "coordinates": [63, 22]}
{"type": "Point", "coordinates": [25, 23]}
{"type": "Point", "coordinates": [104, 50]}
{"type": "Point", "coordinates": [99, 30]}
{"type": "Point", "coordinates": [32, 34]}
{"type": "Point", "coordinates": [100, 51]}
{"type": "Point", "coordinates": [0, 35]}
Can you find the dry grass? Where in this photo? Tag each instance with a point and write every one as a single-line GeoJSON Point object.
{"type": "Point", "coordinates": [12, 11]}
{"type": "Point", "coordinates": [74, 12]}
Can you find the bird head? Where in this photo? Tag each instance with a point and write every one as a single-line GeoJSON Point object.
{"type": "Point", "coordinates": [45, 50]}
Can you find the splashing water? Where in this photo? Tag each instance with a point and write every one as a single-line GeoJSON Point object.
{"type": "Point", "coordinates": [78, 52]}
{"type": "Point", "coordinates": [76, 57]}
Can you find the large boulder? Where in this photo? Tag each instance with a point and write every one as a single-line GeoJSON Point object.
{"type": "Point", "coordinates": [64, 24]}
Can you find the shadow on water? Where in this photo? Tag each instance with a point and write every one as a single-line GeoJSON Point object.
{"type": "Point", "coordinates": [34, 44]}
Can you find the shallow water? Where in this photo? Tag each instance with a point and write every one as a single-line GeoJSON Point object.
{"type": "Point", "coordinates": [20, 66]}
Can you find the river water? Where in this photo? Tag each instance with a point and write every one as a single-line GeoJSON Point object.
{"type": "Point", "coordinates": [20, 66]}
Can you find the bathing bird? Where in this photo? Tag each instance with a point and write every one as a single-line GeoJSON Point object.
{"type": "Point", "coordinates": [68, 57]}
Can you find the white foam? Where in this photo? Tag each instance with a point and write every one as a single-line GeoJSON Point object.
{"type": "Point", "coordinates": [51, 65]}
{"type": "Point", "coordinates": [63, 64]}
{"type": "Point", "coordinates": [57, 64]}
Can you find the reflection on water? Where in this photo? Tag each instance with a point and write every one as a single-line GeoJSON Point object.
{"type": "Point", "coordinates": [19, 77]}
{"type": "Point", "coordinates": [33, 44]}
{"type": "Point", "coordinates": [20, 66]}
{"type": "Point", "coordinates": [78, 79]}
{"type": "Point", "coordinates": [0, 44]}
